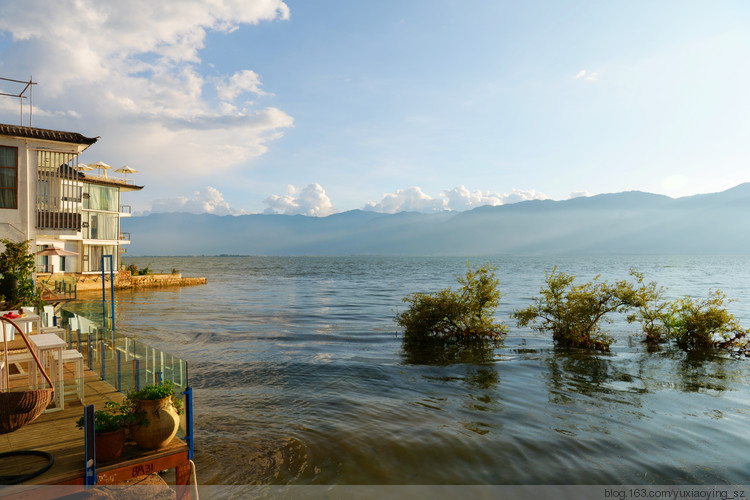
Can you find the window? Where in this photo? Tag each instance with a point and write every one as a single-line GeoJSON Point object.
{"type": "Point", "coordinates": [8, 177]}
{"type": "Point", "coordinates": [102, 198]}
{"type": "Point", "coordinates": [100, 226]}
{"type": "Point", "coordinates": [92, 260]}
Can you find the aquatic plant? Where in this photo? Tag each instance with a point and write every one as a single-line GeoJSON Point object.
{"type": "Point", "coordinates": [574, 313]}
{"type": "Point", "coordinates": [466, 312]}
{"type": "Point", "coordinates": [653, 311]}
{"type": "Point", "coordinates": [706, 324]}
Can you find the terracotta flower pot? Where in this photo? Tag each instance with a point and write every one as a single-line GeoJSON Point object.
{"type": "Point", "coordinates": [109, 445]}
{"type": "Point", "coordinates": [161, 426]}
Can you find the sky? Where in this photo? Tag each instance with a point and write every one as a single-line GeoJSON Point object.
{"type": "Point", "coordinates": [320, 106]}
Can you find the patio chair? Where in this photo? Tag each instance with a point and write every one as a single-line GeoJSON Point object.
{"type": "Point", "coordinates": [75, 357]}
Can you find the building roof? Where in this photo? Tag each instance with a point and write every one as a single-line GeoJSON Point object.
{"type": "Point", "coordinates": [103, 181]}
{"type": "Point", "coordinates": [45, 134]}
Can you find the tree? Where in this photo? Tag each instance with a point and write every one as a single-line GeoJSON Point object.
{"type": "Point", "coordinates": [573, 313]}
{"type": "Point", "coordinates": [653, 311]}
{"type": "Point", "coordinates": [706, 324]}
{"type": "Point", "coordinates": [464, 313]}
{"type": "Point", "coordinates": [17, 267]}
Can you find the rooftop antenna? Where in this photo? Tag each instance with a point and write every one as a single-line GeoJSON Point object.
{"type": "Point", "coordinates": [22, 95]}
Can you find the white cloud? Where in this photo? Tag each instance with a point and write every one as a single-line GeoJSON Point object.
{"type": "Point", "coordinates": [579, 194]}
{"type": "Point", "coordinates": [311, 200]}
{"type": "Point", "coordinates": [242, 81]}
{"type": "Point", "coordinates": [586, 75]}
{"type": "Point", "coordinates": [407, 200]}
{"type": "Point", "coordinates": [209, 201]}
{"type": "Point", "coordinates": [458, 199]}
{"type": "Point", "coordinates": [130, 72]}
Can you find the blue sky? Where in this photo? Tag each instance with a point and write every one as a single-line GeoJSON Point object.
{"type": "Point", "coordinates": [315, 107]}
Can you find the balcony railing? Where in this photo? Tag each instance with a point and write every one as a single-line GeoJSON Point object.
{"type": "Point", "coordinates": [123, 361]}
{"type": "Point", "coordinates": [125, 209]}
{"type": "Point", "coordinates": [124, 236]}
{"type": "Point", "coordinates": [58, 220]}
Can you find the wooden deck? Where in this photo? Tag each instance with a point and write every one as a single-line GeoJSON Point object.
{"type": "Point", "coordinates": [56, 433]}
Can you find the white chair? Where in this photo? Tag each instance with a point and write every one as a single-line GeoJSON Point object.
{"type": "Point", "coordinates": [75, 357]}
{"type": "Point", "coordinates": [48, 312]}
{"type": "Point", "coordinates": [48, 322]}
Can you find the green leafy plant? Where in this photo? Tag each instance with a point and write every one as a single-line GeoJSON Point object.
{"type": "Point", "coordinates": [134, 271]}
{"type": "Point", "coordinates": [17, 267]}
{"type": "Point", "coordinates": [466, 312]}
{"type": "Point", "coordinates": [705, 324]}
{"type": "Point", "coordinates": [116, 416]}
{"type": "Point", "coordinates": [574, 313]}
{"type": "Point", "coordinates": [152, 392]}
{"type": "Point", "coordinates": [653, 311]}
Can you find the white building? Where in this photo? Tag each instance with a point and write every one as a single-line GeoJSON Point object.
{"type": "Point", "coordinates": [46, 197]}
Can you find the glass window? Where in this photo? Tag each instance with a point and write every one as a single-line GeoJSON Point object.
{"type": "Point", "coordinates": [93, 257]}
{"type": "Point", "coordinates": [8, 177]}
{"type": "Point", "coordinates": [102, 198]}
{"type": "Point", "coordinates": [101, 226]}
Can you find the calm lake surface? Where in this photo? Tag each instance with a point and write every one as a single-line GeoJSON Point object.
{"type": "Point", "coordinates": [300, 377]}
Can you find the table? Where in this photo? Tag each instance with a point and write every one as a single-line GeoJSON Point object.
{"type": "Point", "coordinates": [26, 319]}
{"type": "Point", "coordinates": [44, 345]}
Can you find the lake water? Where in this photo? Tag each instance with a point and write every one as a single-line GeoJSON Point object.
{"type": "Point", "coordinates": [301, 377]}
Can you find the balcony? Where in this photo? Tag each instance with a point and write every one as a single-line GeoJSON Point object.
{"type": "Point", "coordinates": [58, 220]}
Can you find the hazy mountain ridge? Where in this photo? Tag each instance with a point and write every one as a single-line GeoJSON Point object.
{"type": "Point", "coordinates": [628, 222]}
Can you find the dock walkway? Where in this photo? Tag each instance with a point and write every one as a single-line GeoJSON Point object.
{"type": "Point", "coordinates": [56, 433]}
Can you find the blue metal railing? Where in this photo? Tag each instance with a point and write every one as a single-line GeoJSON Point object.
{"type": "Point", "coordinates": [128, 365]}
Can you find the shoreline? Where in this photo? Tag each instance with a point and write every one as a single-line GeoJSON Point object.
{"type": "Point", "coordinates": [125, 281]}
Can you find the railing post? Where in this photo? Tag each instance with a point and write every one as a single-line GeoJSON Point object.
{"type": "Point", "coordinates": [136, 374]}
{"type": "Point", "coordinates": [104, 360]}
{"type": "Point", "coordinates": [119, 370]}
{"type": "Point", "coordinates": [90, 447]}
{"type": "Point", "coordinates": [189, 420]}
{"type": "Point", "coordinates": [91, 351]}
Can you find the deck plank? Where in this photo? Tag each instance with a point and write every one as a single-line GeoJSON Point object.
{"type": "Point", "coordinates": [56, 433]}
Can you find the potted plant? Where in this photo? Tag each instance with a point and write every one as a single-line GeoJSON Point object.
{"type": "Point", "coordinates": [109, 430]}
{"type": "Point", "coordinates": [156, 412]}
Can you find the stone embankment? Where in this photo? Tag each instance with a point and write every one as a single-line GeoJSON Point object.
{"type": "Point", "coordinates": [125, 281]}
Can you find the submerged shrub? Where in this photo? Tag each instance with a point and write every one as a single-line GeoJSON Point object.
{"type": "Point", "coordinates": [653, 311]}
{"type": "Point", "coordinates": [574, 313]}
{"type": "Point", "coordinates": [466, 312]}
{"type": "Point", "coordinates": [706, 324]}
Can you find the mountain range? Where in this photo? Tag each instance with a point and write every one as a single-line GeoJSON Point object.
{"type": "Point", "coordinates": [619, 223]}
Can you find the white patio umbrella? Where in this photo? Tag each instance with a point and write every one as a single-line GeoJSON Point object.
{"type": "Point", "coordinates": [53, 250]}
{"type": "Point", "coordinates": [82, 167]}
{"type": "Point", "coordinates": [101, 166]}
{"type": "Point", "coordinates": [126, 170]}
